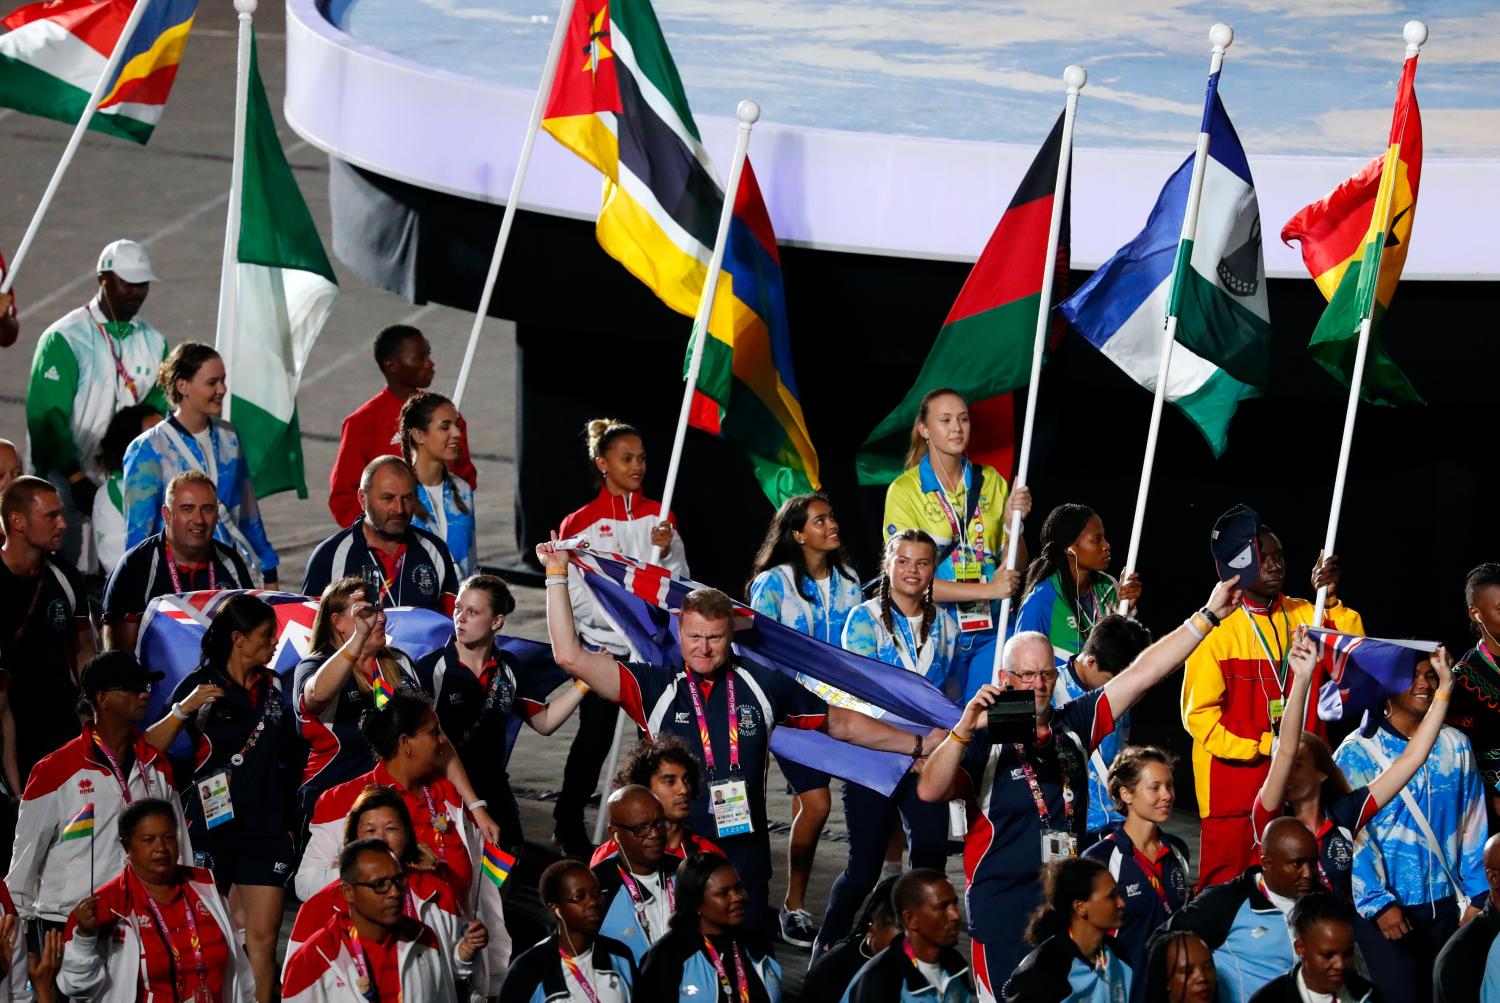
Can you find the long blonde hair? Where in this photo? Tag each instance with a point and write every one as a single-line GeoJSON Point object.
{"type": "Point", "coordinates": [918, 447]}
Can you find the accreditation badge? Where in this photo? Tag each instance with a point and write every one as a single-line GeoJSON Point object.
{"type": "Point", "coordinates": [1277, 707]}
{"type": "Point", "coordinates": [213, 792]}
{"type": "Point", "coordinates": [972, 616]}
{"type": "Point", "coordinates": [1058, 845]}
{"type": "Point", "coordinates": [731, 804]}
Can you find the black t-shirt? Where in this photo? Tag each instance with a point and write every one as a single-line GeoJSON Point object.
{"type": "Point", "coordinates": [251, 726]}
{"type": "Point", "coordinates": [476, 712]}
{"type": "Point", "coordinates": [40, 618]}
{"type": "Point", "coordinates": [145, 572]}
{"type": "Point", "coordinates": [336, 750]}
{"type": "Point", "coordinates": [657, 699]}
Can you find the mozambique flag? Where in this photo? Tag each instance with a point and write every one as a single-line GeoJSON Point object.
{"type": "Point", "coordinates": [496, 863]}
{"type": "Point", "coordinates": [1354, 243]}
{"type": "Point", "coordinates": [55, 52]}
{"type": "Point", "coordinates": [984, 348]}
{"type": "Point", "coordinates": [79, 826]}
{"type": "Point", "coordinates": [618, 103]}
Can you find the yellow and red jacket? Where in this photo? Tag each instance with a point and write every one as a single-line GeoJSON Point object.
{"type": "Point", "coordinates": [1227, 689]}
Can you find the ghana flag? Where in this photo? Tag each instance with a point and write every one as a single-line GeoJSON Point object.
{"type": "Point", "coordinates": [1354, 243]}
{"type": "Point", "coordinates": [984, 348]}
{"type": "Point", "coordinates": [618, 103]}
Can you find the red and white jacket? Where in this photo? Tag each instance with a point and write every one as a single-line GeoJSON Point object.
{"type": "Point", "coordinates": [616, 524]}
{"type": "Point", "coordinates": [323, 971]}
{"type": "Point", "coordinates": [48, 878]}
{"type": "Point", "coordinates": [107, 968]}
{"type": "Point", "coordinates": [14, 985]}
{"type": "Point", "coordinates": [429, 899]}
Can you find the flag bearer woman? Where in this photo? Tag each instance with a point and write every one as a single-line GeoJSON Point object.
{"type": "Point", "coordinates": [620, 520]}
{"type": "Point", "coordinates": [803, 577]}
{"type": "Point", "coordinates": [966, 508]}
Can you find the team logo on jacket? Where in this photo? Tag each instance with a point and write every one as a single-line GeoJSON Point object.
{"type": "Point", "coordinates": [605, 529]}
{"type": "Point", "coordinates": [1018, 774]}
{"type": "Point", "coordinates": [749, 723]}
{"type": "Point", "coordinates": [85, 786]}
{"type": "Point", "coordinates": [57, 614]}
{"type": "Point", "coordinates": [426, 580]}
{"type": "Point", "coordinates": [681, 717]}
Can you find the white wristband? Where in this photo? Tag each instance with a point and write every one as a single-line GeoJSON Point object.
{"type": "Point", "coordinates": [178, 712]}
{"type": "Point", "coordinates": [476, 805]}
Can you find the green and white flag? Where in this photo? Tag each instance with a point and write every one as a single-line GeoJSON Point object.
{"type": "Point", "coordinates": [286, 288]}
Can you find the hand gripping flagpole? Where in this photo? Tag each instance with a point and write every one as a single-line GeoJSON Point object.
{"type": "Point", "coordinates": [105, 79]}
{"type": "Point", "coordinates": [229, 280]}
{"type": "Point", "coordinates": [749, 113]}
{"type": "Point", "coordinates": [1220, 37]}
{"type": "Point", "coordinates": [1415, 35]}
{"type": "Point", "coordinates": [1074, 77]}
{"type": "Point", "coordinates": [533, 125]}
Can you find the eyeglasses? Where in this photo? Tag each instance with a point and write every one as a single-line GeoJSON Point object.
{"type": "Point", "coordinates": [132, 690]}
{"type": "Point", "coordinates": [1049, 675]}
{"type": "Point", "coordinates": [383, 886]}
{"type": "Point", "coordinates": [644, 829]}
{"type": "Point", "coordinates": [585, 896]}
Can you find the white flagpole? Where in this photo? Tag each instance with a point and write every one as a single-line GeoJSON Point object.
{"type": "Point", "coordinates": [748, 112]}
{"type": "Point", "coordinates": [1415, 35]}
{"type": "Point", "coordinates": [533, 125]}
{"type": "Point", "coordinates": [229, 285]}
{"type": "Point", "coordinates": [136, 13]}
{"type": "Point", "coordinates": [1221, 37]}
{"type": "Point", "coordinates": [1074, 77]}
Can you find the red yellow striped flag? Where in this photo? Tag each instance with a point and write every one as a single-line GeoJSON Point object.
{"type": "Point", "coordinates": [1354, 243]}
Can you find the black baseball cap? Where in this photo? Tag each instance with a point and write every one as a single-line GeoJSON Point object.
{"type": "Point", "coordinates": [1236, 546]}
{"type": "Point", "coordinates": [117, 670]}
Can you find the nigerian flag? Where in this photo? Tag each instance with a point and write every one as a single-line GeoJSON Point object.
{"type": "Point", "coordinates": [285, 290]}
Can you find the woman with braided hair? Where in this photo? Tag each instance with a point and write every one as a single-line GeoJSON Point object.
{"type": "Point", "coordinates": [887, 628]}
{"type": "Point", "coordinates": [1068, 586]}
{"type": "Point", "coordinates": [431, 436]}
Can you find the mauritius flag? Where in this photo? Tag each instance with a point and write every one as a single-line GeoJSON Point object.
{"type": "Point", "coordinates": [984, 348]}
{"type": "Point", "coordinates": [618, 103]}
{"type": "Point", "coordinates": [80, 826]}
{"type": "Point", "coordinates": [56, 51]}
{"type": "Point", "coordinates": [497, 864]}
{"type": "Point", "coordinates": [1354, 242]}
{"type": "Point", "coordinates": [1213, 281]}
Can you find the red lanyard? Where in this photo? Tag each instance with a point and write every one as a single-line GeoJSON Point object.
{"type": "Point", "coordinates": [367, 987]}
{"type": "Point", "coordinates": [118, 358]}
{"type": "Point", "coordinates": [638, 898]}
{"type": "Point", "coordinates": [1036, 789]}
{"type": "Point", "coordinates": [1154, 876]}
{"type": "Point", "coordinates": [734, 724]}
{"type": "Point", "coordinates": [163, 930]}
{"type": "Point", "coordinates": [739, 971]}
{"type": "Point", "coordinates": [960, 531]}
{"type": "Point", "coordinates": [213, 579]}
{"type": "Point", "coordinates": [438, 820]}
{"type": "Point", "coordinates": [119, 774]}
{"type": "Point", "coordinates": [588, 990]}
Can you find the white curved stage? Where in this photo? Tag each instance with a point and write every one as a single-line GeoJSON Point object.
{"type": "Point", "coordinates": [846, 190]}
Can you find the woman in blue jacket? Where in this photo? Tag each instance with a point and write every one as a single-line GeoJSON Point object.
{"type": "Point", "coordinates": [431, 437]}
{"type": "Point", "coordinates": [1076, 960]}
{"type": "Point", "coordinates": [708, 955]}
{"type": "Point", "coordinates": [803, 577]}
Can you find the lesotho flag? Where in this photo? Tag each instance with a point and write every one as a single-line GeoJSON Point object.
{"type": "Point", "coordinates": [1214, 280]}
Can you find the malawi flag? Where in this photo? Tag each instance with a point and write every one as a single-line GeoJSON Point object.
{"type": "Point", "coordinates": [618, 103]}
{"type": "Point", "coordinates": [984, 348]}
{"type": "Point", "coordinates": [55, 53]}
{"type": "Point", "coordinates": [286, 288]}
{"type": "Point", "coordinates": [1359, 233]}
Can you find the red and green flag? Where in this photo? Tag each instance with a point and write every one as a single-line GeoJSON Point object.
{"type": "Point", "coordinates": [984, 348]}
{"type": "Point", "coordinates": [1354, 243]}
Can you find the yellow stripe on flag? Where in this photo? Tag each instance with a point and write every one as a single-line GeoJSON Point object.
{"type": "Point", "coordinates": [591, 138]}
{"type": "Point", "coordinates": [165, 51]}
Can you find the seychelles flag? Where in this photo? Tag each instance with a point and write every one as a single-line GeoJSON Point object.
{"type": "Point", "coordinates": [1363, 671]}
{"type": "Point", "coordinates": [1214, 282]}
{"type": "Point", "coordinates": [55, 53]}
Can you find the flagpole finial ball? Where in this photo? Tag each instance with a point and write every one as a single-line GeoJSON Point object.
{"type": "Point", "coordinates": [748, 111]}
{"type": "Point", "coordinates": [1075, 76]}
{"type": "Point", "coordinates": [245, 6]}
{"type": "Point", "coordinates": [1221, 36]}
{"type": "Point", "coordinates": [1415, 34]}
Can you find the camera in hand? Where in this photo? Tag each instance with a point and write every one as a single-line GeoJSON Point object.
{"type": "Point", "coordinates": [1012, 718]}
{"type": "Point", "coordinates": [374, 579]}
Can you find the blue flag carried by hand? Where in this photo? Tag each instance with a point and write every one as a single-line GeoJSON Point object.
{"type": "Point", "coordinates": [1364, 671]}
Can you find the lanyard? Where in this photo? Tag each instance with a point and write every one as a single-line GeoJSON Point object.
{"type": "Point", "coordinates": [739, 972]}
{"type": "Point", "coordinates": [213, 578]}
{"type": "Point", "coordinates": [1279, 661]}
{"type": "Point", "coordinates": [1154, 876]}
{"type": "Point", "coordinates": [638, 898]}
{"type": "Point", "coordinates": [960, 531]}
{"type": "Point", "coordinates": [367, 987]}
{"type": "Point", "coordinates": [438, 820]}
{"type": "Point", "coordinates": [119, 774]}
{"type": "Point", "coordinates": [195, 941]}
{"type": "Point", "coordinates": [395, 577]}
{"type": "Point", "coordinates": [734, 724]}
{"type": "Point", "coordinates": [1036, 789]}
{"type": "Point", "coordinates": [270, 713]}
{"type": "Point", "coordinates": [583, 983]}
{"type": "Point", "coordinates": [907, 647]}
{"type": "Point", "coordinates": [119, 360]}
{"type": "Point", "coordinates": [498, 681]}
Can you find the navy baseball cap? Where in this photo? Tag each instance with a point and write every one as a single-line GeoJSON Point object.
{"type": "Point", "coordinates": [117, 670]}
{"type": "Point", "coordinates": [1236, 546]}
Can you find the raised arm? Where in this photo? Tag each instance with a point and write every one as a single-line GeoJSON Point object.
{"type": "Point", "coordinates": [324, 684]}
{"type": "Point", "coordinates": [596, 668]}
{"type": "Point", "coordinates": [937, 781]}
{"type": "Point", "coordinates": [1165, 655]}
{"type": "Point", "coordinates": [861, 729]}
{"type": "Point", "coordinates": [558, 709]}
{"type": "Point", "coordinates": [164, 732]}
{"type": "Point", "coordinates": [1388, 783]}
{"type": "Point", "coordinates": [1304, 659]}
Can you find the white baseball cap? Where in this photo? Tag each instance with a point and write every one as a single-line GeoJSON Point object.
{"type": "Point", "coordinates": [128, 260]}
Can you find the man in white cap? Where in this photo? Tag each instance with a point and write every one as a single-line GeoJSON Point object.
{"type": "Point", "coordinates": [94, 361]}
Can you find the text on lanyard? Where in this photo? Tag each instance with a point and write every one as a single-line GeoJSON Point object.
{"type": "Point", "coordinates": [703, 735]}
{"type": "Point", "coordinates": [583, 983]}
{"type": "Point", "coordinates": [638, 897]}
{"type": "Point", "coordinates": [213, 578]}
{"type": "Point", "coordinates": [179, 982]}
{"type": "Point", "coordinates": [1036, 789]}
{"type": "Point", "coordinates": [366, 981]}
{"type": "Point", "coordinates": [439, 822]}
{"type": "Point", "coordinates": [739, 972]}
{"type": "Point", "coordinates": [119, 774]}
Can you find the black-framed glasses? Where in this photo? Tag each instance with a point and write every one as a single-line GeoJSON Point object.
{"type": "Point", "coordinates": [644, 829]}
{"type": "Point", "coordinates": [383, 886]}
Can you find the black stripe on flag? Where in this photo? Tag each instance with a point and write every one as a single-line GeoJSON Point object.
{"type": "Point", "coordinates": [657, 155]}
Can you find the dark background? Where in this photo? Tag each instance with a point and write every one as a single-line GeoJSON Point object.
{"type": "Point", "coordinates": [594, 342]}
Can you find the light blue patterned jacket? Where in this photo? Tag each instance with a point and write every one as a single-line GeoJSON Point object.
{"type": "Point", "coordinates": [460, 532]}
{"type": "Point", "coordinates": [773, 593]}
{"type": "Point", "coordinates": [1392, 861]}
{"type": "Point", "coordinates": [864, 634]}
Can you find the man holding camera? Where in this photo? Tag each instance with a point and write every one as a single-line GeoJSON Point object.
{"type": "Point", "coordinates": [1023, 772]}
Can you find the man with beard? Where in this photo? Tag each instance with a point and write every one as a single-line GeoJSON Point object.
{"type": "Point", "coordinates": [414, 566]}
{"type": "Point", "coordinates": [91, 363]}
